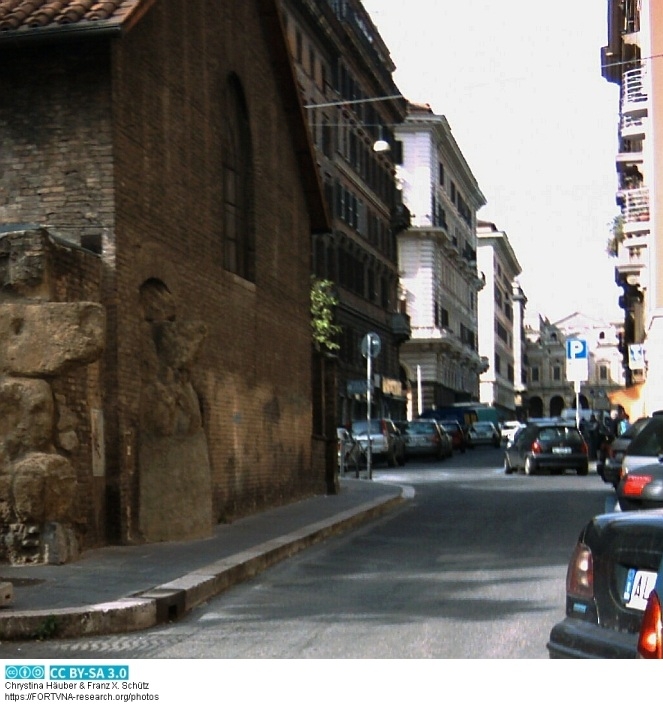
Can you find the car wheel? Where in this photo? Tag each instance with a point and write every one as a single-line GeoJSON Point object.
{"type": "Point", "coordinates": [584, 470]}
{"type": "Point", "coordinates": [507, 466]}
{"type": "Point", "coordinates": [529, 466]}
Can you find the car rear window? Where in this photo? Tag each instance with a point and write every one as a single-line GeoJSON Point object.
{"type": "Point", "coordinates": [556, 433]}
{"type": "Point", "coordinates": [418, 427]}
{"type": "Point", "coordinates": [360, 427]}
{"type": "Point", "coordinates": [649, 441]}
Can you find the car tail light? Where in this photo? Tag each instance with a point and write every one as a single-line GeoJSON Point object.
{"type": "Point", "coordinates": [650, 641]}
{"type": "Point", "coordinates": [634, 484]}
{"type": "Point", "coordinates": [580, 573]}
{"type": "Point", "coordinates": [536, 447]}
{"type": "Point", "coordinates": [584, 448]}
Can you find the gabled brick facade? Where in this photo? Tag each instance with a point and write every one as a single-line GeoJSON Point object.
{"type": "Point", "coordinates": [112, 137]}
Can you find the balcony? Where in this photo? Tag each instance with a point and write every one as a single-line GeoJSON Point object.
{"type": "Point", "coordinates": [629, 156]}
{"type": "Point", "coordinates": [635, 99]}
{"type": "Point", "coordinates": [633, 127]}
{"type": "Point", "coordinates": [400, 327]}
{"type": "Point", "coordinates": [635, 212]}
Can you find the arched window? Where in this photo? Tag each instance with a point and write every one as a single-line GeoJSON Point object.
{"type": "Point", "coordinates": [237, 177]}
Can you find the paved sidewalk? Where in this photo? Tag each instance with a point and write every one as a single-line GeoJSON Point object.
{"type": "Point", "coordinates": [125, 588]}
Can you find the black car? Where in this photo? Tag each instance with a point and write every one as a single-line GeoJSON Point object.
{"type": "Point", "coordinates": [610, 575]}
{"type": "Point", "coordinates": [553, 447]}
{"type": "Point", "coordinates": [641, 488]}
{"type": "Point", "coordinates": [610, 467]}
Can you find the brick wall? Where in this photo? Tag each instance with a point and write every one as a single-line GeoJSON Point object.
{"type": "Point", "coordinates": [123, 147]}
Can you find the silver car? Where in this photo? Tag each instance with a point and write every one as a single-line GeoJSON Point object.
{"type": "Point", "coordinates": [386, 440]}
{"type": "Point", "coordinates": [484, 433]}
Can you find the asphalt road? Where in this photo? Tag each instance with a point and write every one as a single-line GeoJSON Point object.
{"type": "Point", "coordinates": [473, 566]}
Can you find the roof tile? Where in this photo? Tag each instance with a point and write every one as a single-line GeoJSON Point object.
{"type": "Point", "coordinates": [22, 15]}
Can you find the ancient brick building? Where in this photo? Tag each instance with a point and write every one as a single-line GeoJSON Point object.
{"type": "Point", "coordinates": [161, 145]}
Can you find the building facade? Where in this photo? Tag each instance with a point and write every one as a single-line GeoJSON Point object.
{"type": "Point", "coordinates": [167, 140]}
{"type": "Point", "coordinates": [632, 60]}
{"type": "Point", "coordinates": [344, 71]}
{"type": "Point", "coordinates": [549, 392]}
{"type": "Point", "coordinates": [438, 262]}
{"type": "Point", "coordinates": [501, 315]}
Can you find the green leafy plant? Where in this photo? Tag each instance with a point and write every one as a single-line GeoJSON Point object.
{"type": "Point", "coordinates": [47, 629]}
{"type": "Point", "coordinates": [616, 236]}
{"type": "Point", "coordinates": [323, 304]}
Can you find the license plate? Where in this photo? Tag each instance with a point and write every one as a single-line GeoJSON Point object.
{"type": "Point", "coordinates": [639, 583]}
{"type": "Point", "coordinates": [562, 450]}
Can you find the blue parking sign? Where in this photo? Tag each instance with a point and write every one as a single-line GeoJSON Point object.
{"type": "Point", "coordinates": [576, 349]}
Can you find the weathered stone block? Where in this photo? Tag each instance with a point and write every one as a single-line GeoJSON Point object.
{"type": "Point", "coordinates": [43, 340]}
{"type": "Point", "coordinates": [26, 417]}
{"type": "Point", "coordinates": [43, 488]}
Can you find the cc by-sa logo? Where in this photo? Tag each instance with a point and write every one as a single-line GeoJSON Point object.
{"type": "Point", "coordinates": [24, 672]}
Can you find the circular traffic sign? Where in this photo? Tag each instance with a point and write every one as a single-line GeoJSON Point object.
{"type": "Point", "coordinates": [371, 345]}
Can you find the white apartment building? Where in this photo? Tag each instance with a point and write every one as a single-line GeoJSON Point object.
{"type": "Point", "coordinates": [438, 262]}
{"type": "Point", "coordinates": [632, 60]}
{"type": "Point", "coordinates": [501, 314]}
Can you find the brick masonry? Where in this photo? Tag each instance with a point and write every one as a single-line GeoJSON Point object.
{"type": "Point", "coordinates": [117, 144]}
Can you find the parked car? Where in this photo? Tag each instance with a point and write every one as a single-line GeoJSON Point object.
{"type": "Point", "coordinates": [484, 433]}
{"type": "Point", "coordinates": [647, 446]}
{"type": "Point", "coordinates": [610, 467]}
{"type": "Point", "coordinates": [344, 443]}
{"type": "Point", "coordinates": [509, 429]}
{"type": "Point", "coordinates": [554, 447]}
{"type": "Point", "coordinates": [387, 443]}
{"type": "Point", "coordinates": [609, 578]}
{"type": "Point", "coordinates": [650, 639]}
{"type": "Point", "coordinates": [641, 488]}
{"type": "Point", "coordinates": [455, 431]}
{"type": "Point", "coordinates": [351, 456]}
{"type": "Point", "coordinates": [425, 437]}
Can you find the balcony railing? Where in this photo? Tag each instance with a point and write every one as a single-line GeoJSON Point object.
{"type": "Point", "coordinates": [635, 98]}
{"type": "Point", "coordinates": [633, 126]}
{"type": "Point", "coordinates": [635, 211]}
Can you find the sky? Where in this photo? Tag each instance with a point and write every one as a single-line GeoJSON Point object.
{"type": "Point", "coordinates": [520, 83]}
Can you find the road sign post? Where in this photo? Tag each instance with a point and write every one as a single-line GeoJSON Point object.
{"type": "Point", "coordinates": [370, 348]}
{"type": "Point", "coordinates": [577, 367]}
